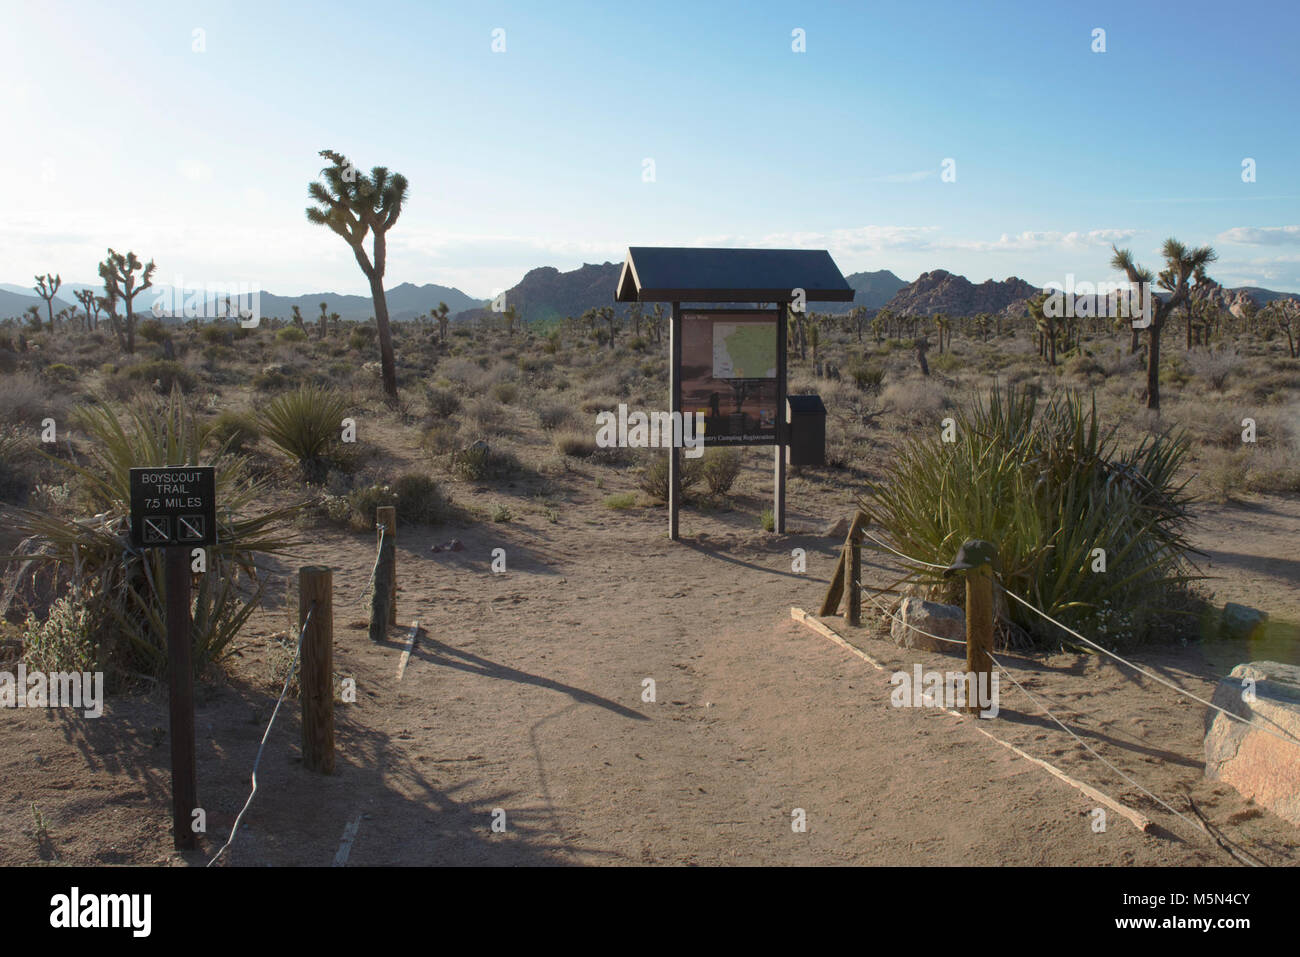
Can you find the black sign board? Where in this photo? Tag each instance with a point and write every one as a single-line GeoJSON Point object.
{"type": "Point", "coordinates": [175, 505]}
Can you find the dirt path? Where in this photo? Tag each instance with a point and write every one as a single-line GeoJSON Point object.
{"type": "Point", "coordinates": [525, 694]}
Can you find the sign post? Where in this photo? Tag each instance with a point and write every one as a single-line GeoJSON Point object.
{"type": "Point", "coordinates": [174, 508]}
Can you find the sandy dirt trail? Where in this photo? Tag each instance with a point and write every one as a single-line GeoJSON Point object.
{"type": "Point", "coordinates": [524, 693]}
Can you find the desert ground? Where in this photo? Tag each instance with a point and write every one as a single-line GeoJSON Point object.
{"type": "Point", "coordinates": [524, 689]}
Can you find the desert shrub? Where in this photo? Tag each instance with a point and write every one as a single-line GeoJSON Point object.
{"type": "Point", "coordinates": [1045, 486]}
{"type": "Point", "coordinates": [216, 334]}
{"type": "Point", "coordinates": [441, 402]}
{"type": "Point", "coordinates": [165, 375]}
{"type": "Point", "coordinates": [576, 445]}
{"type": "Point", "coordinates": [291, 334]}
{"type": "Point", "coordinates": [118, 585]}
{"type": "Point", "coordinates": [235, 431]}
{"type": "Point", "coordinates": [358, 506]}
{"type": "Point", "coordinates": [16, 472]}
{"type": "Point", "coordinates": [485, 415]}
{"type": "Point", "coordinates": [867, 376]}
{"type": "Point", "coordinates": [505, 392]}
{"type": "Point", "coordinates": [719, 469]}
{"type": "Point", "coordinates": [305, 425]}
{"type": "Point", "coordinates": [64, 641]}
{"type": "Point", "coordinates": [1214, 367]}
{"type": "Point", "coordinates": [621, 501]}
{"type": "Point", "coordinates": [553, 413]}
{"type": "Point", "coordinates": [653, 479]}
{"type": "Point", "coordinates": [151, 330]}
{"type": "Point", "coordinates": [419, 500]}
{"type": "Point", "coordinates": [440, 438]}
{"type": "Point", "coordinates": [25, 399]}
{"type": "Point", "coordinates": [1084, 366]}
{"type": "Point", "coordinates": [480, 462]}
{"type": "Point", "coordinates": [61, 372]}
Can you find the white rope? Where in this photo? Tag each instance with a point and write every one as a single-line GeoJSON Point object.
{"type": "Point", "coordinates": [1064, 727]}
{"type": "Point", "coordinates": [266, 734]}
{"type": "Point", "coordinates": [915, 561]}
{"type": "Point", "coordinates": [1154, 677]}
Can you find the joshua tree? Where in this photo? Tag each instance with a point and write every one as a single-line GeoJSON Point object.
{"type": "Point", "coordinates": [657, 322]}
{"type": "Point", "coordinates": [297, 317]}
{"type": "Point", "coordinates": [1181, 264]}
{"type": "Point", "coordinates": [1045, 324]}
{"type": "Point", "coordinates": [511, 316]}
{"type": "Point", "coordinates": [610, 318]}
{"type": "Point", "coordinates": [440, 316]}
{"type": "Point", "coordinates": [858, 319]}
{"type": "Point", "coordinates": [324, 318]}
{"type": "Point", "coordinates": [922, 344]}
{"type": "Point", "coordinates": [90, 303]}
{"type": "Point", "coordinates": [46, 286]}
{"type": "Point", "coordinates": [944, 325]}
{"type": "Point", "coordinates": [118, 273]}
{"type": "Point", "coordinates": [355, 205]}
{"type": "Point", "coordinates": [1285, 314]}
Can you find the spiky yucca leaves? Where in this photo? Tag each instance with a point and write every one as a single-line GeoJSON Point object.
{"type": "Point", "coordinates": [121, 587]}
{"type": "Point", "coordinates": [303, 424]}
{"type": "Point", "coordinates": [1046, 486]}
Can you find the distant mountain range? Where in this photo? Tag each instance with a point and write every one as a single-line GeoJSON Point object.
{"type": "Point", "coordinates": [405, 301]}
{"type": "Point", "coordinates": [547, 293]}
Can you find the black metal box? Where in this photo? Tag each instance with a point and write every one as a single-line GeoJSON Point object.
{"type": "Point", "coordinates": [806, 416]}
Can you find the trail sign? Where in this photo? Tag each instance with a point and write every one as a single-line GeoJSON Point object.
{"type": "Point", "coordinates": [175, 508]}
{"type": "Point", "coordinates": [176, 505]}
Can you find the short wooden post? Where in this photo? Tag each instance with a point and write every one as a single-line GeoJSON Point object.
{"type": "Point", "coordinates": [834, 594]}
{"type": "Point", "coordinates": [383, 593]}
{"type": "Point", "coordinates": [979, 633]}
{"type": "Point", "coordinates": [853, 609]}
{"type": "Point", "coordinates": [316, 676]}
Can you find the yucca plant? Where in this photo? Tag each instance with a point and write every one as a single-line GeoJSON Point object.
{"type": "Point", "coordinates": [92, 560]}
{"type": "Point", "coordinates": [304, 424]}
{"type": "Point", "coordinates": [1046, 486]}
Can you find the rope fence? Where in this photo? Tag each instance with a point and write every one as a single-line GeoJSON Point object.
{"type": "Point", "coordinates": [858, 533]}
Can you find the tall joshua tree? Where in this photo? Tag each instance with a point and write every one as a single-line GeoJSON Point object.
{"type": "Point", "coordinates": [355, 205]}
{"type": "Point", "coordinates": [118, 273]}
{"type": "Point", "coordinates": [1181, 264]}
{"type": "Point", "coordinates": [46, 286]}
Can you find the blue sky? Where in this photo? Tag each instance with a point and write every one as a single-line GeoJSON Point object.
{"type": "Point", "coordinates": [121, 134]}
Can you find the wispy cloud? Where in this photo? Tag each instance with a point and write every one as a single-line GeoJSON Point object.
{"type": "Point", "coordinates": [1261, 235]}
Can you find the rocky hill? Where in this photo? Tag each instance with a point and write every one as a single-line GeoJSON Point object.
{"type": "Point", "coordinates": [940, 291]}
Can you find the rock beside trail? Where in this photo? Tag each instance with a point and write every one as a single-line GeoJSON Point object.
{"type": "Point", "coordinates": [1240, 621]}
{"type": "Point", "coordinates": [1261, 766]}
{"type": "Point", "coordinates": [943, 621]}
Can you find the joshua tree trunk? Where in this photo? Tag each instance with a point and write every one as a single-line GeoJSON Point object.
{"type": "Point", "coordinates": [1153, 369]}
{"type": "Point", "coordinates": [386, 360]}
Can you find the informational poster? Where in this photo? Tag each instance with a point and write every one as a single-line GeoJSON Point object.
{"type": "Point", "coordinates": [729, 373]}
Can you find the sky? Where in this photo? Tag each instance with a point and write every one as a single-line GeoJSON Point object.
{"type": "Point", "coordinates": [989, 139]}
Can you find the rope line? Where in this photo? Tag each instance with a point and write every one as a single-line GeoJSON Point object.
{"type": "Point", "coordinates": [266, 734]}
{"type": "Point", "coordinates": [1286, 736]}
{"type": "Point", "coordinates": [915, 561]}
{"type": "Point", "coordinates": [1064, 727]}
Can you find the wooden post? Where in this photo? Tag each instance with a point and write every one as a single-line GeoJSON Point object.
{"type": "Point", "coordinates": [853, 611]}
{"type": "Point", "coordinates": [181, 681]}
{"type": "Point", "coordinates": [675, 406]}
{"type": "Point", "coordinates": [782, 428]}
{"type": "Point", "coordinates": [979, 632]}
{"type": "Point", "coordinates": [831, 603]}
{"type": "Point", "coordinates": [386, 515]}
{"type": "Point", "coordinates": [316, 678]}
